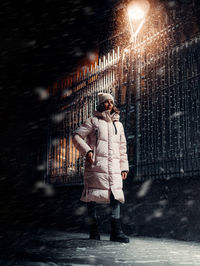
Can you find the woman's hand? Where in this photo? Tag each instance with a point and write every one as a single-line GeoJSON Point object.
{"type": "Point", "coordinates": [89, 157]}
{"type": "Point", "coordinates": [124, 175]}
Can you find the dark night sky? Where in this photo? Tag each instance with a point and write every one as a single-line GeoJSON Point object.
{"type": "Point", "coordinates": [43, 40]}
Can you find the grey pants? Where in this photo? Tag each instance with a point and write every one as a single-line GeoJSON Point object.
{"type": "Point", "coordinates": [115, 208]}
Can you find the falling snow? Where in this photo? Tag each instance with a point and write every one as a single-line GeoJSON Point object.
{"type": "Point", "coordinates": [43, 44]}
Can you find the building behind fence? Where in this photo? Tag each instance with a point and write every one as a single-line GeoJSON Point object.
{"type": "Point", "coordinates": [156, 84]}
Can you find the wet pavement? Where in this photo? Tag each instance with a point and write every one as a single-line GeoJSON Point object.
{"type": "Point", "coordinates": [58, 247]}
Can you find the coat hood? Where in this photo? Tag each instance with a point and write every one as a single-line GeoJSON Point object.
{"type": "Point", "coordinates": [107, 116]}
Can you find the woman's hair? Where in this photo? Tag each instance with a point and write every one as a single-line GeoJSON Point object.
{"type": "Point", "coordinates": [101, 108]}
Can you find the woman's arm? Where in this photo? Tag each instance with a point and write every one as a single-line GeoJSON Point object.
{"type": "Point", "coordinates": [123, 152]}
{"type": "Point", "coordinates": [78, 137]}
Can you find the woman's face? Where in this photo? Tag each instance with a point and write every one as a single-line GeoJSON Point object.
{"type": "Point", "coordinates": [108, 105]}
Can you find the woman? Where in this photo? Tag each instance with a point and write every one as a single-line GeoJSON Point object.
{"type": "Point", "coordinates": [106, 164]}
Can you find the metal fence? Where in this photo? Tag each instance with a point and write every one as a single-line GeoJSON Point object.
{"type": "Point", "coordinates": [166, 91]}
{"type": "Point", "coordinates": [156, 84]}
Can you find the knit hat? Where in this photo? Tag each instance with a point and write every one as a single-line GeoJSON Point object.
{"type": "Point", "coordinates": [105, 96]}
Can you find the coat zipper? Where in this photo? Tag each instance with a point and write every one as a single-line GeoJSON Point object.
{"type": "Point", "coordinates": [115, 127]}
{"type": "Point", "coordinates": [96, 134]}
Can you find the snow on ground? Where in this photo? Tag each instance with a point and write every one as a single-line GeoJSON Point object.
{"type": "Point", "coordinates": [60, 248]}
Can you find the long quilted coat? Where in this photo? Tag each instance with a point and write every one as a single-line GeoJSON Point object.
{"type": "Point", "coordinates": [105, 137]}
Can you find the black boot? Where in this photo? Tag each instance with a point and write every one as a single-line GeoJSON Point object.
{"type": "Point", "coordinates": [93, 229]}
{"type": "Point", "coordinates": [116, 233]}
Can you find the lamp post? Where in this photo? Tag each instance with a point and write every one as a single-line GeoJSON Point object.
{"type": "Point", "coordinates": [137, 11]}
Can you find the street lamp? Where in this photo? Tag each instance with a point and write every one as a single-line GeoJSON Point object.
{"type": "Point", "coordinates": [137, 11]}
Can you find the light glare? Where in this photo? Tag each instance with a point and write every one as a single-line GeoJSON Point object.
{"type": "Point", "coordinates": [137, 10]}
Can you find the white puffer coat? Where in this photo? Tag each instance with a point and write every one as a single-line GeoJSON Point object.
{"type": "Point", "coordinates": [105, 137]}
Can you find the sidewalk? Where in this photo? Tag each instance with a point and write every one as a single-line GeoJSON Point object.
{"type": "Point", "coordinates": [57, 247]}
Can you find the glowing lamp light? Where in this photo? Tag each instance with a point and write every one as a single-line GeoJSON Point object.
{"type": "Point", "coordinates": [136, 13]}
{"type": "Point", "coordinates": [137, 10]}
